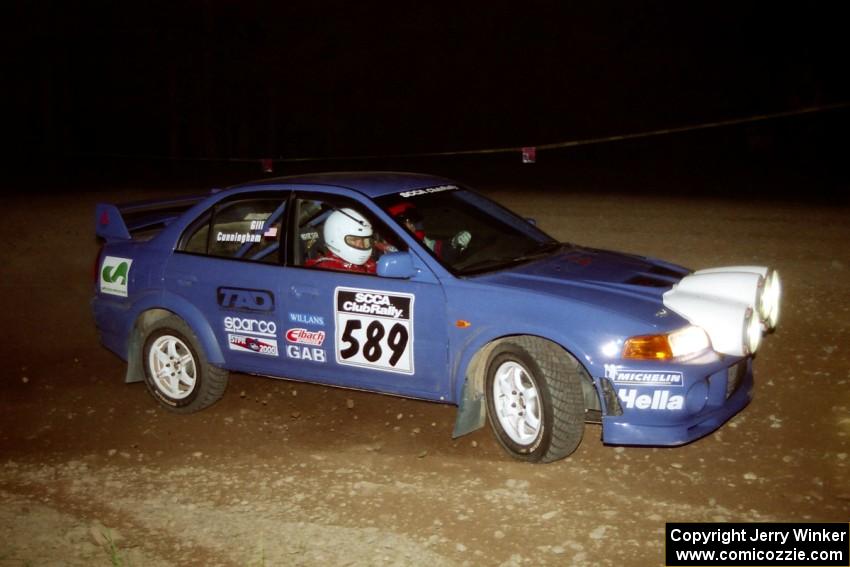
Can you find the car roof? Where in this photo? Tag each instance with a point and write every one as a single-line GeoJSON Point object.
{"type": "Point", "coordinates": [370, 183]}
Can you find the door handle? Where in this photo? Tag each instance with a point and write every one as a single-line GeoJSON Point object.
{"type": "Point", "coordinates": [187, 281]}
{"type": "Point", "coordinates": [301, 291]}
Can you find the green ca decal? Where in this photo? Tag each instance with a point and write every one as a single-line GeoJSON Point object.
{"type": "Point", "coordinates": [119, 271]}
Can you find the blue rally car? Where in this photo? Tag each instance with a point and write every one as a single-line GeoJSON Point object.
{"type": "Point", "coordinates": [416, 286]}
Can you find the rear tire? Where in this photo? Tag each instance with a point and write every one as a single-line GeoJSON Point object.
{"type": "Point", "coordinates": [535, 402]}
{"type": "Point", "coordinates": [177, 373]}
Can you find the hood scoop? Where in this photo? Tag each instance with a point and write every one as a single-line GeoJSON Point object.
{"type": "Point", "coordinates": [656, 276]}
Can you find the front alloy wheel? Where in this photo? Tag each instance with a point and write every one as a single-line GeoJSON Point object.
{"type": "Point", "coordinates": [535, 400]}
{"type": "Point", "coordinates": [517, 403]}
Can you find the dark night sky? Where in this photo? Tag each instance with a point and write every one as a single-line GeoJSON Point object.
{"type": "Point", "coordinates": [236, 79]}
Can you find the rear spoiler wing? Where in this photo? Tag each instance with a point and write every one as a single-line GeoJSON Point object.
{"type": "Point", "coordinates": [119, 222]}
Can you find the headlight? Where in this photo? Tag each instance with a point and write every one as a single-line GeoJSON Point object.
{"type": "Point", "coordinates": [731, 282]}
{"type": "Point", "coordinates": [727, 323]}
{"type": "Point", "coordinates": [769, 307]}
{"type": "Point", "coordinates": [752, 332]}
{"type": "Point", "coordinates": [685, 342]}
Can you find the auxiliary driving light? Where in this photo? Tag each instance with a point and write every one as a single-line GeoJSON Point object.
{"type": "Point", "coordinates": [771, 299]}
{"type": "Point", "coordinates": [728, 323]}
{"type": "Point", "coordinates": [752, 331]}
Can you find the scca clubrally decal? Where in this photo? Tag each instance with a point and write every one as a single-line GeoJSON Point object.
{"type": "Point", "coordinates": [374, 329]}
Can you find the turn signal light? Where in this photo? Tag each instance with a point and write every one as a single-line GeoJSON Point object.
{"type": "Point", "coordinates": [681, 344]}
{"type": "Point", "coordinates": [648, 347]}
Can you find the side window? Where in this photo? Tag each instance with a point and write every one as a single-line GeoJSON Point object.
{"type": "Point", "coordinates": [196, 241]}
{"type": "Point", "coordinates": [247, 229]}
{"type": "Point", "coordinates": [339, 235]}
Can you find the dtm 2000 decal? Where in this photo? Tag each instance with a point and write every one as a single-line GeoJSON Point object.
{"type": "Point", "coordinates": [374, 329]}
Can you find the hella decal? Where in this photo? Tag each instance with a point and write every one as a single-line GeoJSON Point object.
{"type": "Point", "coordinates": [242, 299]}
{"type": "Point", "coordinates": [657, 400]}
{"type": "Point", "coordinates": [303, 336]}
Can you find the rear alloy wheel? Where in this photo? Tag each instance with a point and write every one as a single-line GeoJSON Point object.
{"type": "Point", "coordinates": [174, 369]}
{"type": "Point", "coordinates": [535, 402]}
{"type": "Point", "coordinates": [177, 373]}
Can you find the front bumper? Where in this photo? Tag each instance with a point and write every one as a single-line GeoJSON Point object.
{"type": "Point", "coordinates": [655, 416]}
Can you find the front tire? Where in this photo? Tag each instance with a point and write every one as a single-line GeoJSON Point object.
{"type": "Point", "coordinates": [177, 373]}
{"type": "Point", "coordinates": [535, 402]}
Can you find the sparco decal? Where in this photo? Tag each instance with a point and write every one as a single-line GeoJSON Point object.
{"type": "Point", "coordinates": [250, 326]}
{"type": "Point", "coordinates": [245, 299]}
{"type": "Point", "coordinates": [307, 319]}
{"type": "Point", "coordinates": [303, 336]}
{"type": "Point", "coordinates": [657, 400]}
{"type": "Point", "coordinates": [244, 343]}
{"type": "Point", "coordinates": [374, 329]}
{"type": "Point", "coordinates": [643, 377]}
{"type": "Point", "coordinates": [114, 275]}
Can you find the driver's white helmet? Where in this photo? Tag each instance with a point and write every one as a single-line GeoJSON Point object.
{"type": "Point", "coordinates": [349, 235]}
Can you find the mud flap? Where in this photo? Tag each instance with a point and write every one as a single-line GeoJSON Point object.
{"type": "Point", "coordinates": [135, 370]}
{"type": "Point", "coordinates": [472, 412]}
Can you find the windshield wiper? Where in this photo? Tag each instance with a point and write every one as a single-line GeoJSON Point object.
{"type": "Point", "coordinates": [542, 251]}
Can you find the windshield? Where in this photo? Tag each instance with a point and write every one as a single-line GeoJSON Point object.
{"type": "Point", "coordinates": [465, 231]}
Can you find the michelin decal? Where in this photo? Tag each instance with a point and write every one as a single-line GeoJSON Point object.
{"type": "Point", "coordinates": [650, 396]}
{"type": "Point", "coordinates": [632, 377]}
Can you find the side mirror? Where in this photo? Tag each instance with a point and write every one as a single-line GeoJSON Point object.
{"type": "Point", "coordinates": [397, 265]}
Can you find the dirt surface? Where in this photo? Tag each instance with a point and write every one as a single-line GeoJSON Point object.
{"type": "Point", "coordinates": [93, 472]}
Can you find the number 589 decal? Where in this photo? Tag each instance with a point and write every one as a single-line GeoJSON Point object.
{"type": "Point", "coordinates": [374, 329]}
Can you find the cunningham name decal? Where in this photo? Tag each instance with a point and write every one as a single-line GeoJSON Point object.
{"type": "Point", "coordinates": [239, 237]}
